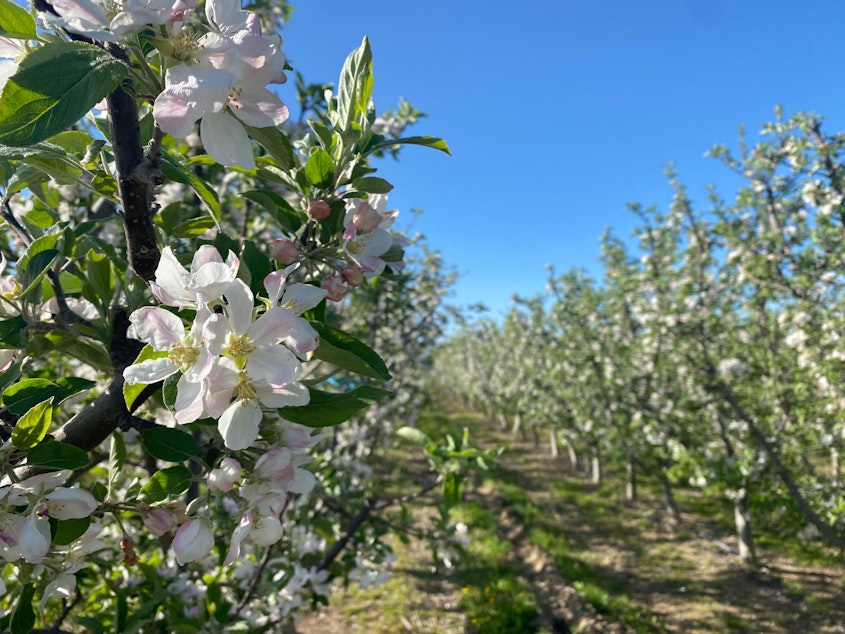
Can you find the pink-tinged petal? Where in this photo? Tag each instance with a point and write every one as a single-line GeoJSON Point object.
{"type": "Point", "coordinates": [201, 367]}
{"type": "Point", "coordinates": [34, 540]}
{"type": "Point", "coordinates": [260, 108]}
{"type": "Point", "coordinates": [194, 540]}
{"type": "Point", "coordinates": [266, 531]}
{"type": "Point", "coordinates": [226, 141]}
{"type": "Point", "coordinates": [272, 326]}
{"type": "Point", "coordinates": [274, 284]}
{"type": "Point", "coordinates": [190, 92]}
{"type": "Point", "coordinates": [274, 364]}
{"type": "Point", "coordinates": [303, 339]}
{"type": "Point", "coordinates": [205, 254]}
{"type": "Point", "coordinates": [70, 504]}
{"type": "Point", "coordinates": [304, 481]}
{"type": "Point", "coordinates": [149, 371]}
{"type": "Point", "coordinates": [171, 281]}
{"type": "Point", "coordinates": [157, 327]}
{"type": "Point", "coordinates": [226, 15]}
{"type": "Point", "coordinates": [301, 297]}
{"type": "Point", "coordinates": [220, 387]}
{"type": "Point", "coordinates": [292, 395]}
{"type": "Point", "coordinates": [239, 534]}
{"type": "Point", "coordinates": [239, 307]}
{"type": "Point", "coordinates": [212, 280]}
{"type": "Point", "coordinates": [215, 333]}
{"type": "Point", "coordinates": [174, 114]}
{"type": "Point", "coordinates": [239, 424]}
{"type": "Point", "coordinates": [189, 401]}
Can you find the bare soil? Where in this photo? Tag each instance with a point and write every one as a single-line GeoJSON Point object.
{"type": "Point", "coordinates": [687, 576]}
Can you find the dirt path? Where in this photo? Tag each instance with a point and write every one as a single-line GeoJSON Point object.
{"type": "Point", "coordinates": [685, 578]}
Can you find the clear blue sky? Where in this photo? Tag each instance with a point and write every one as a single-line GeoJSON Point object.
{"type": "Point", "coordinates": [559, 112]}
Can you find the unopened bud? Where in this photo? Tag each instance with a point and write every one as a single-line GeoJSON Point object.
{"type": "Point", "coordinates": [284, 250]}
{"type": "Point", "coordinates": [319, 209]}
{"type": "Point", "coordinates": [335, 288]}
{"type": "Point", "coordinates": [352, 275]}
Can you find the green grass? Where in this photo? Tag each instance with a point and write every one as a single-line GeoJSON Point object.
{"type": "Point", "coordinates": [494, 597]}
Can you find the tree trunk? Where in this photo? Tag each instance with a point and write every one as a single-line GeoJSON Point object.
{"type": "Point", "coordinates": [745, 539]}
{"type": "Point", "coordinates": [669, 499]}
{"type": "Point", "coordinates": [630, 479]}
{"type": "Point", "coordinates": [836, 466]}
{"type": "Point", "coordinates": [536, 435]}
{"type": "Point", "coordinates": [571, 454]}
{"type": "Point", "coordinates": [503, 421]}
{"type": "Point", "coordinates": [595, 466]}
{"type": "Point", "coordinates": [553, 442]}
{"type": "Point", "coordinates": [517, 426]}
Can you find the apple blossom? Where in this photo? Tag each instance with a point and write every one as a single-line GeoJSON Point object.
{"type": "Point", "coordinates": [224, 477]}
{"type": "Point", "coordinates": [193, 541]}
{"type": "Point", "coordinates": [208, 278]}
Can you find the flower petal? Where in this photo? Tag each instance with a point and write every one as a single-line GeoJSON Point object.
{"type": "Point", "coordinates": [226, 141]}
{"type": "Point", "coordinates": [239, 424]}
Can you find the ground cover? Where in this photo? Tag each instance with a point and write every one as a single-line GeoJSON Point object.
{"type": "Point", "coordinates": [551, 553]}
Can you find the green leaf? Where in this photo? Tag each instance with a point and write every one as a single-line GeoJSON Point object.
{"type": "Point", "coordinates": [15, 21]}
{"type": "Point", "coordinates": [319, 169]}
{"type": "Point", "coordinates": [355, 88]}
{"type": "Point", "coordinates": [55, 86]}
{"type": "Point", "coordinates": [327, 408]}
{"type": "Point", "coordinates": [73, 385]}
{"type": "Point", "coordinates": [170, 445]}
{"type": "Point", "coordinates": [23, 618]}
{"type": "Point", "coordinates": [347, 352]}
{"type": "Point", "coordinates": [117, 458]}
{"type": "Point", "coordinates": [451, 489]}
{"type": "Point", "coordinates": [371, 185]}
{"type": "Point", "coordinates": [24, 395]}
{"type": "Point", "coordinates": [57, 455]}
{"type": "Point", "coordinates": [194, 227]}
{"type": "Point", "coordinates": [174, 170]}
{"type": "Point", "coordinates": [414, 435]}
{"type": "Point", "coordinates": [167, 484]}
{"type": "Point", "coordinates": [132, 391]}
{"type": "Point", "coordinates": [426, 141]}
{"type": "Point", "coordinates": [276, 143]}
{"type": "Point", "coordinates": [288, 218]}
{"type": "Point", "coordinates": [258, 266]}
{"type": "Point", "coordinates": [68, 531]}
{"type": "Point", "coordinates": [10, 331]}
{"type": "Point", "coordinates": [33, 426]}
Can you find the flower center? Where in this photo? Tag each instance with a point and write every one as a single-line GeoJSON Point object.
{"type": "Point", "coordinates": [183, 355]}
{"type": "Point", "coordinates": [239, 347]}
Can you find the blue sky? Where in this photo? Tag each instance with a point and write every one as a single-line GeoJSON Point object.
{"type": "Point", "coordinates": [559, 112]}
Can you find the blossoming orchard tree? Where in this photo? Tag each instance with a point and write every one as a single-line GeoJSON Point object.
{"type": "Point", "coordinates": [171, 330]}
{"type": "Point", "coordinates": [713, 357]}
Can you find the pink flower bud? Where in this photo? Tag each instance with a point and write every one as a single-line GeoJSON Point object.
{"type": "Point", "coordinates": [319, 210]}
{"type": "Point", "coordinates": [284, 250]}
{"type": "Point", "coordinates": [160, 521]}
{"type": "Point", "coordinates": [224, 477]}
{"type": "Point", "coordinates": [352, 275]}
{"type": "Point", "coordinates": [366, 219]}
{"type": "Point", "coordinates": [193, 541]}
{"type": "Point", "coordinates": [335, 288]}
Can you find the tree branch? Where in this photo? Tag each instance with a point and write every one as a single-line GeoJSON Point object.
{"type": "Point", "coordinates": [136, 177]}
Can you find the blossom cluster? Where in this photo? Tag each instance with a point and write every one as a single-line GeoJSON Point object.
{"type": "Point", "coordinates": [216, 73]}
{"type": "Point", "coordinates": [233, 357]}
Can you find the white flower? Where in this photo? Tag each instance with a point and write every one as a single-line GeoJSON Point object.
{"type": "Point", "coordinates": [193, 541]}
{"type": "Point", "coordinates": [210, 276]}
